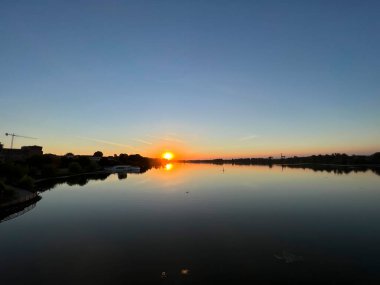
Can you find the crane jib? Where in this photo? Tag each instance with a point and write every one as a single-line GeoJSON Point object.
{"type": "Point", "coordinates": [14, 135]}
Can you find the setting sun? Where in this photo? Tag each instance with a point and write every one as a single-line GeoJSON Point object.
{"type": "Point", "coordinates": [168, 155]}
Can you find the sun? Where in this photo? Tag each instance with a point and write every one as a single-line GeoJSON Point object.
{"type": "Point", "coordinates": [168, 155]}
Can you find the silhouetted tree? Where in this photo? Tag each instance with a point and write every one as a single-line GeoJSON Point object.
{"type": "Point", "coordinates": [98, 154]}
{"type": "Point", "coordinates": [375, 158]}
{"type": "Point", "coordinates": [75, 168]}
{"type": "Point", "coordinates": [26, 182]}
{"type": "Point", "coordinates": [123, 158]}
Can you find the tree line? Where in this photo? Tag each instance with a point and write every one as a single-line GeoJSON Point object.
{"type": "Point", "coordinates": [24, 173]}
{"type": "Point", "coordinates": [335, 158]}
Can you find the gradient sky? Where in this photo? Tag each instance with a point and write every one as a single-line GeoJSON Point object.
{"type": "Point", "coordinates": [201, 78]}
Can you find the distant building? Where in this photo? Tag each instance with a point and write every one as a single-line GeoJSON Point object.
{"type": "Point", "coordinates": [32, 150]}
{"type": "Point", "coordinates": [19, 154]}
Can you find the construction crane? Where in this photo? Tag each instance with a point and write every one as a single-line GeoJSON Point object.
{"type": "Point", "coordinates": [14, 135]}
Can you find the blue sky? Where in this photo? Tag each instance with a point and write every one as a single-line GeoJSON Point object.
{"type": "Point", "coordinates": [200, 78]}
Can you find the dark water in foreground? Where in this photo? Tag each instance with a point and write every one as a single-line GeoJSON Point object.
{"type": "Point", "coordinates": [248, 225]}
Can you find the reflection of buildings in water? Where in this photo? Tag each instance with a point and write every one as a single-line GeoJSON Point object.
{"type": "Point", "coordinates": [16, 211]}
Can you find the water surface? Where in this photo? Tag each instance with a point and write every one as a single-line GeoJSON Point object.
{"type": "Point", "coordinates": [243, 225]}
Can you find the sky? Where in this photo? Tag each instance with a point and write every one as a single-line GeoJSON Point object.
{"type": "Point", "coordinates": [203, 79]}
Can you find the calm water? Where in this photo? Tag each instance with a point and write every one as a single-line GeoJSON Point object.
{"type": "Point", "coordinates": [246, 225]}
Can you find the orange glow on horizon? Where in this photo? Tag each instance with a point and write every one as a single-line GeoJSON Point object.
{"type": "Point", "coordinates": [186, 151]}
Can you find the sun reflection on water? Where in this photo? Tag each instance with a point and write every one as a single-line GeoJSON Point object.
{"type": "Point", "coordinates": [169, 166]}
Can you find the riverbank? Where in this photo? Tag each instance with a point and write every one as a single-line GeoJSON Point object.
{"type": "Point", "coordinates": [17, 196]}
{"type": "Point", "coordinates": [336, 159]}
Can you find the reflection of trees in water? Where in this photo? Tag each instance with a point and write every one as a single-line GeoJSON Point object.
{"type": "Point", "coordinates": [77, 180]}
{"type": "Point", "coordinates": [145, 169]}
{"type": "Point", "coordinates": [48, 185]}
{"type": "Point", "coordinates": [339, 170]}
{"type": "Point", "coordinates": [122, 176]}
{"type": "Point", "coordinates": [18, 210]}
{"type": "Point", "coordinates": [80, 180]}
{"type": "Point", "coordinates": [330, 168]}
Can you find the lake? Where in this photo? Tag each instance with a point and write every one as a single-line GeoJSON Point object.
{"type": "Point", "coordinates": [200, 224]}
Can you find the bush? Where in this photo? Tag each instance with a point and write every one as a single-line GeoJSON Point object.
{"type": "Point", "coordinates": [75, 168]}
{"type": "Point", "coordinates": [26, 182]}
{"type": "Point", "coordinates": [15, 172]}
{"type": "Point", "coordinates": [93, 166]}
{"type": "Point", "coordinates": [49, 170]}
{"type": "Point", "coordinates": [6, 191]}
{"type": "Point", "coordinates": [2, 188]}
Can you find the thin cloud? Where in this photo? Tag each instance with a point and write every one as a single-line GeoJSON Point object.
{"type": "Point", "coordinates": [109, 143]}
{"type": "Point", "coordinates": [142, 141]}
{"type": "Point", "coordinates": [247, 138]}
{"type": "Point", "coordinates": [173, 140]}
{"type": "Point", "coordinates": [170, 139]}
{"type": "Point", "coordinates": [155, 137]}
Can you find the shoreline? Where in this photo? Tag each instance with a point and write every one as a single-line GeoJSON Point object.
{"type": "Point", "coordinates": [19, 196]}
{"type": "Point", "coordinates": [22, 196]}
{"type": "Point", "coordinates": [279, 164]}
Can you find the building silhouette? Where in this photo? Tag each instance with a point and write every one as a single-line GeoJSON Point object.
{"type": "Point", "coordinates": [8, 154]}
